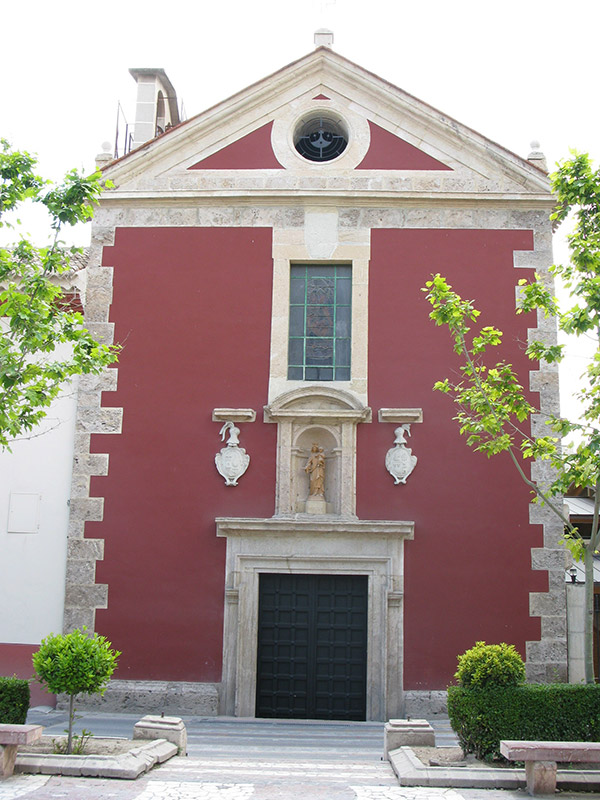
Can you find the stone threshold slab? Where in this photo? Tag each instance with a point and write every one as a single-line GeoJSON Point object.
{"type": "Point", "coordinates": [411, 771]}
{"type": "Point", "coordinates": [127, 766]}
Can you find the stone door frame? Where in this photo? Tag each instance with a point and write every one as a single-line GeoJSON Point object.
{"type": "Point", "coordinates": [344, 547]}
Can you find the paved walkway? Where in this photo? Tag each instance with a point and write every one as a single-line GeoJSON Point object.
{"type": "Point", "coordinates": [250, 760]}
{"type": "Point", "coordinates": [228, 737]}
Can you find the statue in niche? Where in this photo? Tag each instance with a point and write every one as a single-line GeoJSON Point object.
{"type": "Point", "coordinates": [399, 460]}
{"type": "Point", "coordinates": [315, 467]}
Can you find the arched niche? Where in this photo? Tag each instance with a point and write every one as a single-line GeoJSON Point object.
{"type": "Point", "coordinates": [328, 417]}
{"type": "Point", "coordinates": [327, 438]}
{"type": "Point", "coordinates": [161, 119]}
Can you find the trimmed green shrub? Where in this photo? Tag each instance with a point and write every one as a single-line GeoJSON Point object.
{"type": "Point", "coordinates": [74, 663]}
{"type": "Point", "coordinates": [487, 665]}
{"type": "Point", "coordinates": [545, 712]}
{"type": "Point", "coordinates": [14, 700]}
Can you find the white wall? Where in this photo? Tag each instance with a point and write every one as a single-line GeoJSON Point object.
{"type": "Point", "coordinates": [32, 565]}
{"type": "Point", "coordinates": [575, 639]}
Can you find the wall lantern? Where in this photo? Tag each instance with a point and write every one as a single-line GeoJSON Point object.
{"type": "Point", "coordinates": [573, 574]}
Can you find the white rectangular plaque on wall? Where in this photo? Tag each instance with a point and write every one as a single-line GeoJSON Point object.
{"type": "Point", "coordinates": [24, 512]}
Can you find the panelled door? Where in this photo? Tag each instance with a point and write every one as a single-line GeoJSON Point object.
{"type": "Point", "coordinates": [312, 646]}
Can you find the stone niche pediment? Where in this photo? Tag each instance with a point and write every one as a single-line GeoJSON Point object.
{"type": "Point", "coordinates": [317, 403]}
{"type": "Point", "coordinates": [328, 417]}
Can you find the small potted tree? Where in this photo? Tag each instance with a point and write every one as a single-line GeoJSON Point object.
{"type": "Point", "coordinates": [75, 663]}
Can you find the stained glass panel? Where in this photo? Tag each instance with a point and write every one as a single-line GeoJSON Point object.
{"type": "Point", "coordinates": [320, 322]}
{"type": "Point", "coordinates": [320, 291]}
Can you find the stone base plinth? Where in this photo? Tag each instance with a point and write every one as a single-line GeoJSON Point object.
{"type": "Point", "coordinates": [316, 505]}
{"type": "Point", "coordinates": [425, 704]}
{"type": "Point", "coordinates": [8, 755]}
{"type": "Point", "coordinates": [407, 732]}
{"type": "Point", "coordinates": [541, 777]}
{"type": "Point", "coordinates": [170, 728]}
{"type": "Point", "coordinates": [195, 699]}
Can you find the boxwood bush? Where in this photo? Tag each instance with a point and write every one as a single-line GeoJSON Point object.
{"type": "Point", "coordinates": [14, 701]}
{"type": "Point", "coordinates": [545, 712]}
{"type": "Point", "coordinates": [487, 665]}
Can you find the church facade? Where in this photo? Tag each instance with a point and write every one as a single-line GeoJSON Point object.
{"type": "Point", "coordinates": [272, 513]}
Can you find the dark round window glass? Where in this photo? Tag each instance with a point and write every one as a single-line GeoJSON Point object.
{"type": "Point", "coordinates": [320, 139]}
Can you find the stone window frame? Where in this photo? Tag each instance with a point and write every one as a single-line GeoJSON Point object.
{"type": "Point", "coordinates": [287, 120]}
{"type": "Point", "coordinates": [320, 242]}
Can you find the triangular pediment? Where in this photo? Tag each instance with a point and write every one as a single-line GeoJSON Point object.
{"type": "Point", "coordinates": [243, 141]}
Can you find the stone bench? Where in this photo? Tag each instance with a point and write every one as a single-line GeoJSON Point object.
{"type": "Point", "coordinates": [11, 736]}
{"type": "Point", "coordinates": [540, 760]}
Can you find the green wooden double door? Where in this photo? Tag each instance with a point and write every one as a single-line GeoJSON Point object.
{"type": "Point", "coordinates": [312, 646]}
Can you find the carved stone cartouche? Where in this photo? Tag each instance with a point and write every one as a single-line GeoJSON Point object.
{"type": "Point", "coordinates": [231, 461]}
{"type": "Point", "coordinates": [399, 460]}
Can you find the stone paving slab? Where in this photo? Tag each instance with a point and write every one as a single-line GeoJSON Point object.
{"type": "Point", "coordinates": [35, 787]}
{"type": "Point", "coordinates": [256, 760]}
{"type": "Point", "coordinates": [281, 771]}
{"type": "Point", "coordinates": [169, 790]}
{"type": "Point", "coordinates": [404, 793]}
{"type": "Point", "coordinates": [21, 785]}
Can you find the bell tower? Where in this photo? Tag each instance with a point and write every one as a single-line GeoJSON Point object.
{"type": "Point", "coordinates": [156, 106]}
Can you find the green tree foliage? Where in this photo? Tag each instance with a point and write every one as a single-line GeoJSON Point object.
{"type": "Point", "coordinates": [35, 320]}
{"type": "Point", "coordinates": [75, 663]}
{"type": "Point", "coordinates": [488, 665]}
{"type": "Point", "coordinates": [493, 411]}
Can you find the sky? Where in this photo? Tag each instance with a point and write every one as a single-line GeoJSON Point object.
{"type": "Point", "coordinates": [513, 71]}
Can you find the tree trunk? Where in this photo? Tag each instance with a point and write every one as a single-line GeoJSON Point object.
{"type": "Point", "coordinates": [588, 610]}
{"type": "Point", "coordinates": [71, 715]}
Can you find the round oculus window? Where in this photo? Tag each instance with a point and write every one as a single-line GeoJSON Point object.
{"type": "Point", "coordinates": [320, 138]}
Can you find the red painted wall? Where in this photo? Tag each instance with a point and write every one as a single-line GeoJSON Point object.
{"type": "Point", "coordinates": [467, 572]}
{"type": "Point", "coordinates": [388, 151]}
{"type": "Point", "coordinates": [15, 659]}
{"type": "Point", "coordinates": [192, 307]}
{"type": "Point", "coordinates": [253, 151]}
{"type": "Point", "coordinates": [192, 311]}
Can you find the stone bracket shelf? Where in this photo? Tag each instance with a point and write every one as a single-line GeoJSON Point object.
{"type": "Point", "coordinates": [233, 415]}
{"type": "Point", "coordinates": [400, 415]}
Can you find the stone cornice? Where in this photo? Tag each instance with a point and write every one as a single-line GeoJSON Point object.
{"type": "Point", "coordinates": [318, 415]}
{"type": "Point", "coordinates": [327, 197]}
{"type": "Point", "coordinates": [302, 525]}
